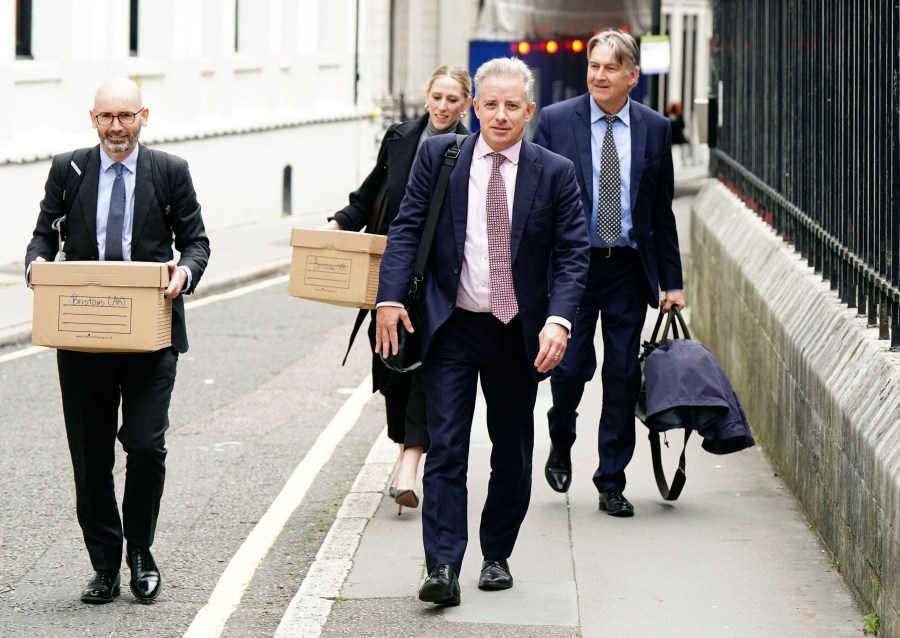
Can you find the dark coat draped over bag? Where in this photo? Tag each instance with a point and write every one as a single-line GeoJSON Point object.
{"type": "Point", "coordinates": [687, 388]}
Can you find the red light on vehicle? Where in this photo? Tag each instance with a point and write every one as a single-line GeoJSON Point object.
{"type": "Point", "coordinates": [552, 46]}
{"type": "Point", "coordinates": [524, 48]}
{"type": "Point", "coordinates": [577, 46]}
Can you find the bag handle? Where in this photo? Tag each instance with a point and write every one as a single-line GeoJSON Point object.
{"type": "Point", "coordinates": [669, 491]}
{"type": "Point", "coordinates": [669, 323]}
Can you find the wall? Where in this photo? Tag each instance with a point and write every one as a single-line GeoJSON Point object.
{"type": "Point", "coordinates": [818, 386]}
{"type": "Point", "coordinates": [287, 95]}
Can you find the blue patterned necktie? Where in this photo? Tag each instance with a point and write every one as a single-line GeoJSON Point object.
{"type": "Point", "coordinates": [116, 218]}
{"type": "Point", "coordinates": [504, 305]}
{"type": "Point", "coordinates": [609, 204]}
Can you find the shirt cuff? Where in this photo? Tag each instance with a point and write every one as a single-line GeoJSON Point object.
{"type": "Point", "coordinates": [187, 272]}
{"type": "Point", "coordinates": [565, 323]}
{"type": "Point", "coordinates": [389, 304]}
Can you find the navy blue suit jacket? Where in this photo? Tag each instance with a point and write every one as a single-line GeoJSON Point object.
{"type": "Point", "coordinates": [565, 128]}
{"type": "Point", "coordinates": [547, 229]}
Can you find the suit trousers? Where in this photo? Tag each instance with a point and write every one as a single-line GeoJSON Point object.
{"type": "Point", "coordinates": [470, 346]}
{"type": "Point", "coordinates": [616, 292]}
{"type": "Point", "coordinates": [93, 384]}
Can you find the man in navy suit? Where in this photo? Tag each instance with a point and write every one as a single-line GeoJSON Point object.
{"type": "Point", "coordinates": [622, 152]}
{"type": "Point", "coordinates": [512, 215]}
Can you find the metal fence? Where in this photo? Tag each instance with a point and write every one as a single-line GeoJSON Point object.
{"type": "Point", "coordinates": [809, 136]}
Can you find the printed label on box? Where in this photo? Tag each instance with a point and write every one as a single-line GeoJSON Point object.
{"type": "Point", "coordinates": [327, 271]}
{"type": "Point", "coordinates": [79, 313]}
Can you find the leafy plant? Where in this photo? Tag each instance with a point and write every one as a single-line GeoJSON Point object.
{"type": "Point", "coordinates": [835, 563]}
{"type": "Point", "coordinates": [870, 624]}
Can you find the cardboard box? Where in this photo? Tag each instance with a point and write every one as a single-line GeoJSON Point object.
{"type": "Point", "coordinates": [335, 266]}
{"type": "Point", "coordinates": [101, 306]}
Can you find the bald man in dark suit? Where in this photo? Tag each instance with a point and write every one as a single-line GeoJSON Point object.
{"type": "Point", "coordinates": [117, 215]}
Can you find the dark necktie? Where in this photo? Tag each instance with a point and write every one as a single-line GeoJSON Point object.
{"type": "Point", "coordinates": [609, 206]}
{"type": "Point", "coordinates": [504, 305]}
{"type": "Point", "coordinates": [116, 217]}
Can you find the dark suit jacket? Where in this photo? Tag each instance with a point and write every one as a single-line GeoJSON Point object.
{"type": "Point", "coordinates": [150, 240]}
{"type": "Point", "coordinates": [547, 230]}
{"type": "Point", "coordinates": [565, 128]}
{"type": "Point", "coordinates": [395, 159]}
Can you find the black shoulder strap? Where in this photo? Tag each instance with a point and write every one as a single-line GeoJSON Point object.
{"type": "Point", "coordinates": [75, 162]}
{"type": "Point", "coordinates": [437, 201]}
{"type": "Point", "coordinates": [159, 173]}
{"type": "Point", "coordinates": [667, 491]}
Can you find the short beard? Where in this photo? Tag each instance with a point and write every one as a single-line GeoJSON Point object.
{"type": "Point", "coordinates": [122, 147]}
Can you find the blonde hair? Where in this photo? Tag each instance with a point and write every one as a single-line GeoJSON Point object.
{"type": "Point", "coordinates": [455, 73]}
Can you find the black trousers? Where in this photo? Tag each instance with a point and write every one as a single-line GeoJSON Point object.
{"type": "Point", "coordinates": [93, 385]}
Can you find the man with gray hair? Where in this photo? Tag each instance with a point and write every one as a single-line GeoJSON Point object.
{"type": "Point", "coordinates": [511, 216]}
{"type": "Point", "coordinates": [622, 151]}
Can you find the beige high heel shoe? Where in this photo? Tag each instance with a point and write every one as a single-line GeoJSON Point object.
{"type": "Point", "coordinates": [407, 498]}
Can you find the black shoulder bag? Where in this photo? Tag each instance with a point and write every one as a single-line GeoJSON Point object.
{"type": "Point", "coordinates": [669, 491]}
{"type": "Point", "coordinates": [409, 345]}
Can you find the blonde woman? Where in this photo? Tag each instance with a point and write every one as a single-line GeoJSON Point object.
{"type": "Point", "coordinates": [447, 98]}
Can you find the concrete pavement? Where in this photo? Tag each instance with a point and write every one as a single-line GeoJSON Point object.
{"type": "Point", "coordinates": [734, 556]}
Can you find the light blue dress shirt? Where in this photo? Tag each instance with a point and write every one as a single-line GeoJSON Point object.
{"type": "Point", "coordinates": [622, 137]}
{"type": "Point", "coordinates": [104, 191]}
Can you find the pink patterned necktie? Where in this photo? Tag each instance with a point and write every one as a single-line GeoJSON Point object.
{"type": "Point", "coordinates": [503, 297]}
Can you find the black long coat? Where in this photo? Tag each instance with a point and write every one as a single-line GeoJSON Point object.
{"type": "Point", "coordinates": [394, 162]}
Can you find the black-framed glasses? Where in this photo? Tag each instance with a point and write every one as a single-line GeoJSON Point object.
{"type": "Point", "coordinates": [105, 119]}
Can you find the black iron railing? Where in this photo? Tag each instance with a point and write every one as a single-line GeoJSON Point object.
{"type": "Point", "coordinates": [809, 136]}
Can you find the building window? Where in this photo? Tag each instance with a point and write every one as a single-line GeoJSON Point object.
{"type": "Point", "coordinates": [133, 30]}
{"type": "Point", "coordinates": [23, 29]}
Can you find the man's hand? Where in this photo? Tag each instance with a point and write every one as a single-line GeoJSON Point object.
{"type": "Point", "coordinates": [553, 339]}
{"type": "Point", "coordinates": [672, 298]}
{"type": "Point", "coordinates": [177, 280]}
{"type": "Point", "coordinates": [386, 320]}
{"type": "Point", "coordinates": [332, 225]}
{"type": "Point", "coordinates": [28, 279]}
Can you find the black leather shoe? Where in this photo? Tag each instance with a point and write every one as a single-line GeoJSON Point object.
{"type": "Point", "coordinates": [145, 580]}
{"type": "Point", "coordinates": [441, 587]}
{"type": "Point", "coordinates": [104, 586]}
{"type": "Point", "coordinates": [614, 503]}
{"type": "Point", "coordinates": [558, 469]}
{"type": "Point", "coordinates": [494, 575]}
